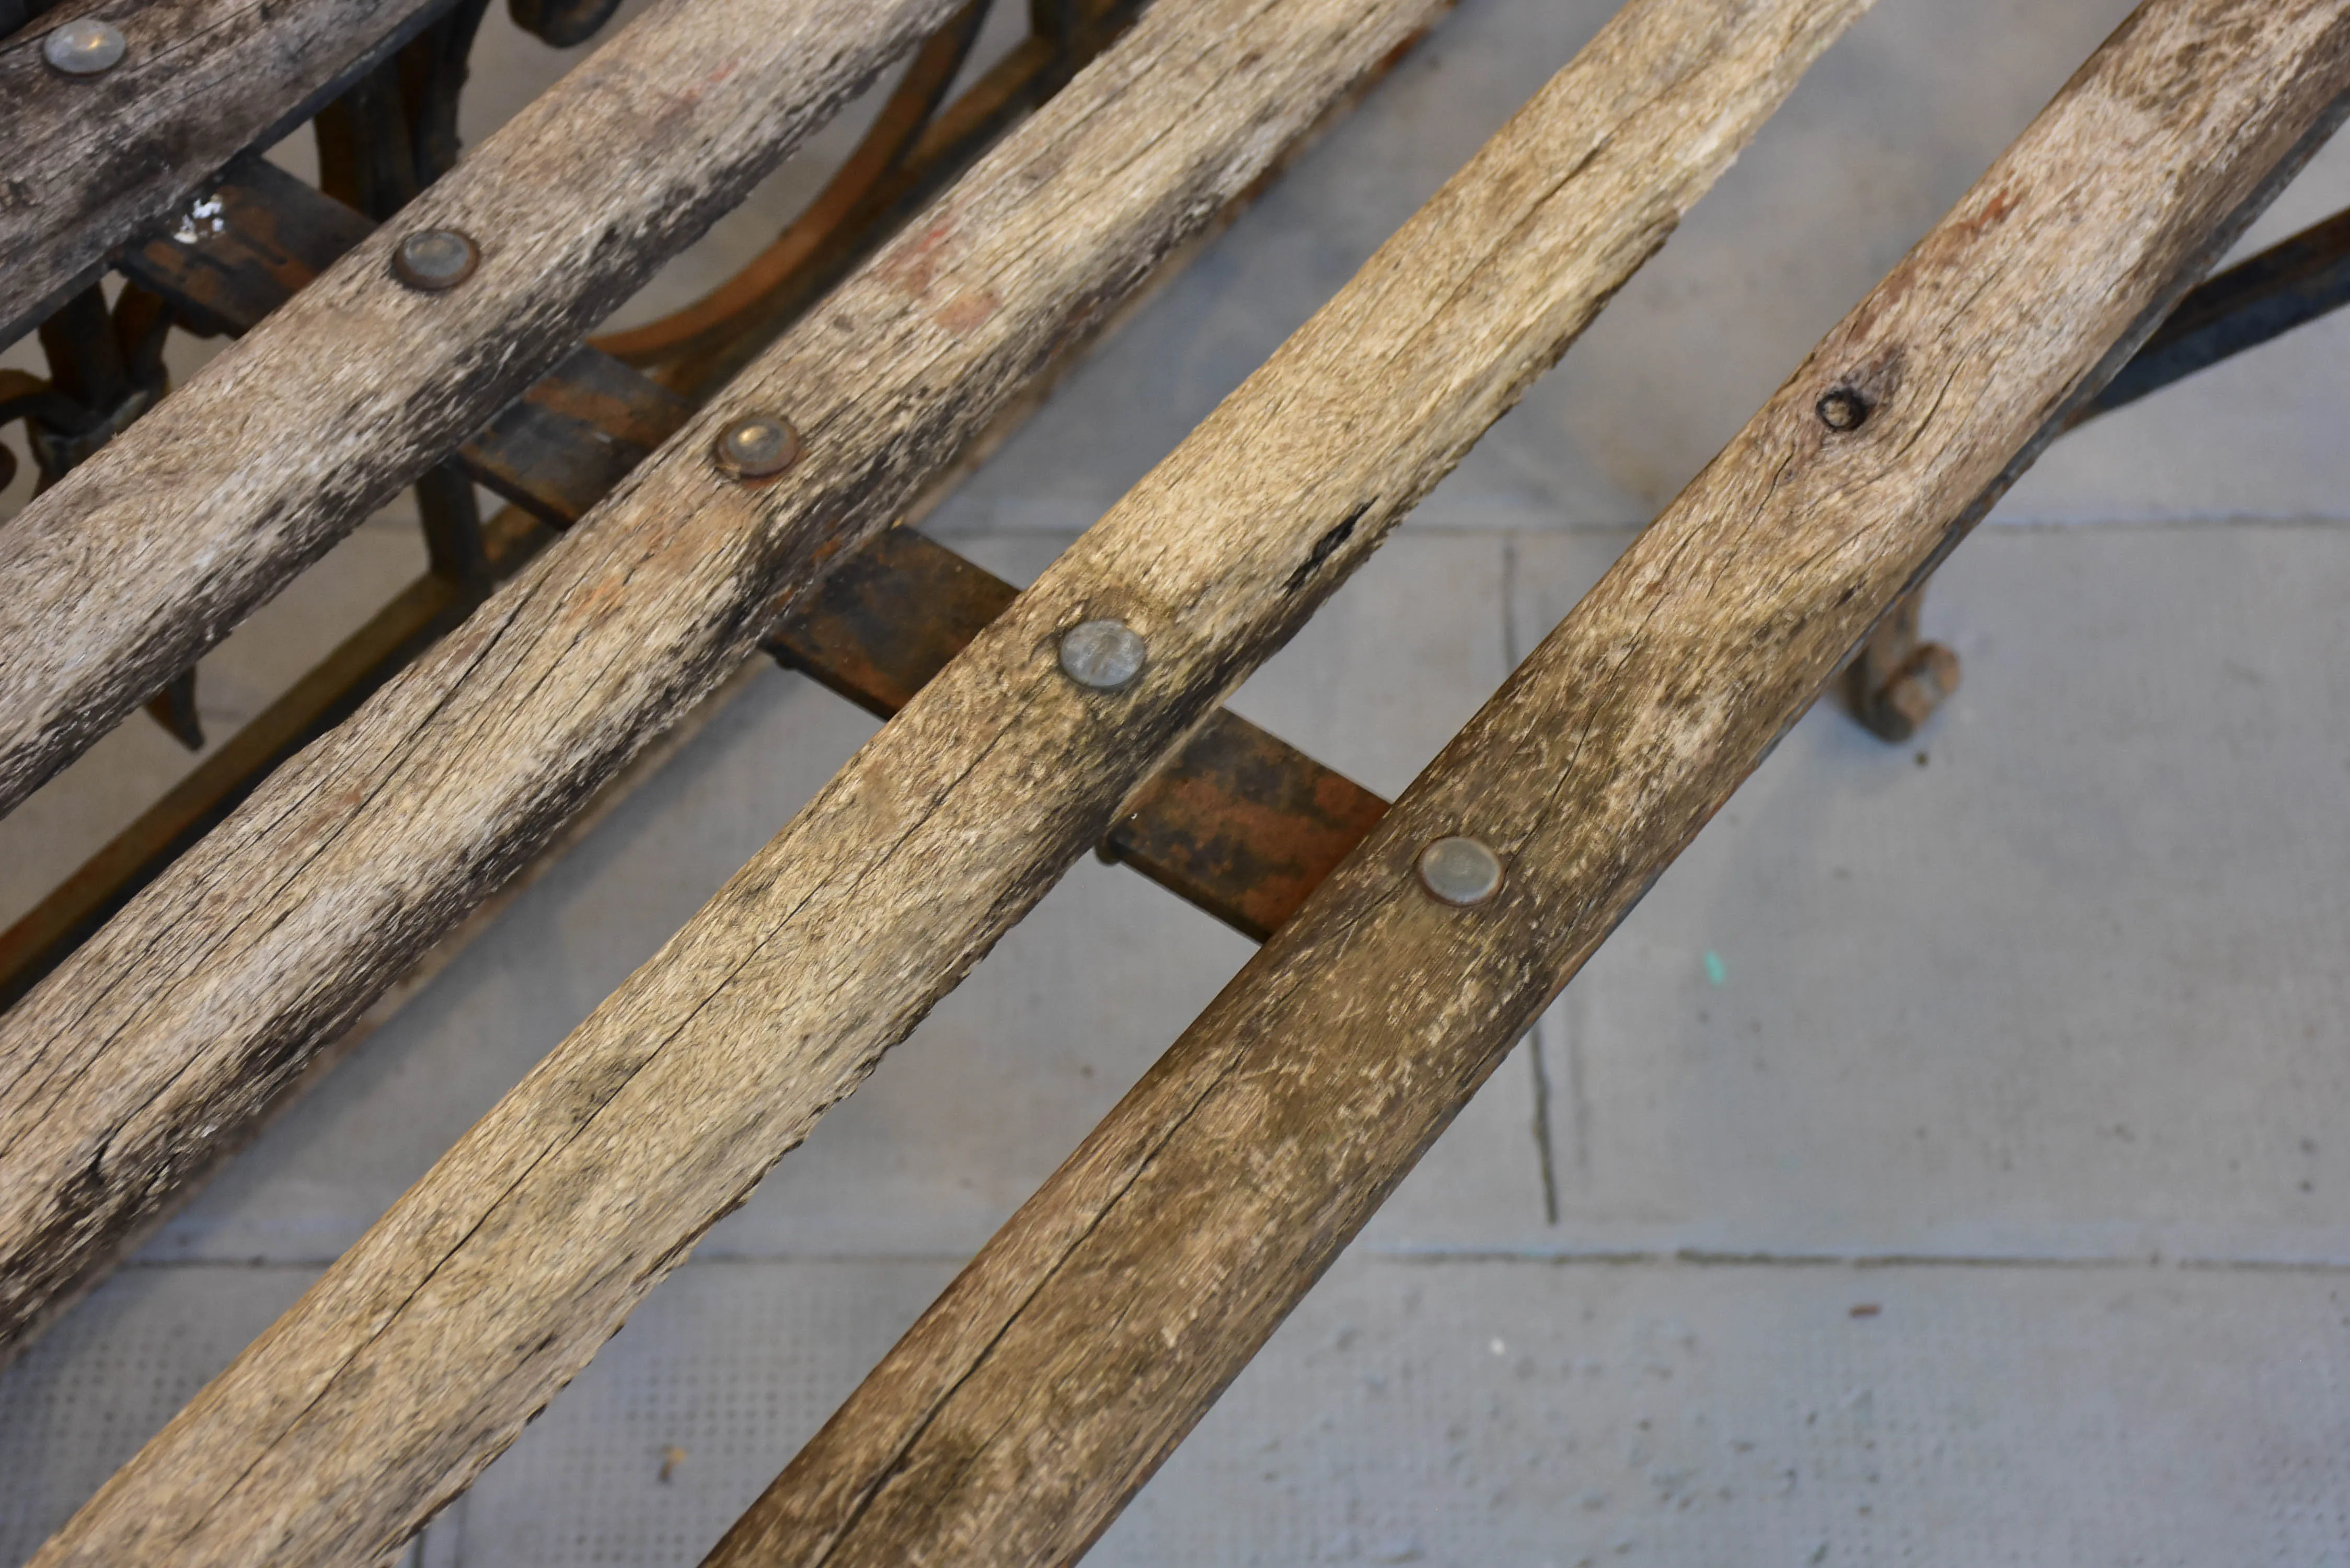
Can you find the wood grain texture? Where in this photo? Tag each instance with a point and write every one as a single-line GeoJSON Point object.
{"type": "Point", "coordinates": [122, 575]}
{"type": "Point", "coordinates": [93, 162]}
{"type": "Point", "coordinates": [489, 1285]}
{"type": "Point", "coordinates": [1049, 1381]}
{"type": "Point", "coordinates": [134, 1078]}
{"type": "Point", "coordinates": [187, 1013]}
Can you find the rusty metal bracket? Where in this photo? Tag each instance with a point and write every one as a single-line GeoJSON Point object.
{"type": "Point", "coordinates": [1241, 824]}
{"type": "Point", "coordinates": [553, 453]}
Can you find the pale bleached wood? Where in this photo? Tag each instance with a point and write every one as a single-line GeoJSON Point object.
{"type": "Point", "coordinates": [81, 1229]}
{"type": "Point", "coordinates": [149, 553]}
{"type": "Point", "coordinates": [422, 1352]}
{"type": "Point", "coordinates": [176, 1026]}
{"type": "Point", "coordinates": [94, 161]}
{"type": "Point", "coordinates": [201, 1007]}
{"type": "Point", "coordinates": [1061, 1366]}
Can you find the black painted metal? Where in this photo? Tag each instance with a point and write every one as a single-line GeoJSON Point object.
{"type": "Point", "coordinates": [2259, 299]}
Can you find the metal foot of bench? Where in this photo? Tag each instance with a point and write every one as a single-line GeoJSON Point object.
{"type": "Point", "coordinates": [1897, 682]}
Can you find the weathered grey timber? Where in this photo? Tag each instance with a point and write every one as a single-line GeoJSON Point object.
{"type": "Point", "coordinates": [94, 161]}
{"type": "Point", "coordinates": [139, 1027]}
{"type": "Point", "coordinates": [423, 1350]}
{"type": "Point", "coordinates": [1054, 1376]}
{"type": "Point", "coordinates": [118, 578]}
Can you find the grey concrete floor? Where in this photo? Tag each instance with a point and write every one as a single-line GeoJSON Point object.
{"type": "Point", "coordinates": [1943, 1165]}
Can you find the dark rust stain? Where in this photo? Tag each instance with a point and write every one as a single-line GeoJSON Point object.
{"type": "Point", "coordinates": [1241, 824]}
{"type": "Point", "coordinates": [1993, 212]}
{"type": "Point", "coordinates": [967, 311]}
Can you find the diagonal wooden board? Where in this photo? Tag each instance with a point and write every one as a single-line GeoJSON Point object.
{"type": "Point", "coordinates": [1024, 1410]}
{"type": "Point", "coordinates": [425, 1349]}
{"type": "Point", "coordinates": [116, 579]}
{"type": "Point", "coordinates": [94, 161]}
{"type": "Point", "coordinates": [174, 1029]}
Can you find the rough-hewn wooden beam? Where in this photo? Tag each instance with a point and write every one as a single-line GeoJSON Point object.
{"type": "Point", "coordinates": [1051, 1378]}
{"type": "Point", "coordinates": [117, 579]}
{"type": "Point", "coordinates": [422, 1351]}
{"type": "Point", "coordinates": [137, 1016]}
{"type": "Point", "coordinates": [92, 161]}
{"type": "Point", "coordinates": [171, 1031]}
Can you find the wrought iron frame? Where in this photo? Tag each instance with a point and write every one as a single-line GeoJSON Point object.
{"type": "Point", "coordinates": [1241, 824]}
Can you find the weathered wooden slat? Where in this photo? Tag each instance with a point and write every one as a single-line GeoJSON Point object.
{"type": "Point", "coordinates": [554, 451]}
{"type": "Point", "coordinates": [557, 451]}
{"type": "Point", "coordinates": [67, 1230]}
{"type": "Point", "coordinates": [118, 577]}
{"type": "Point", "coordinates": [1064, 1365]}
{"type": "Point", "coordinates": [2289, 285]}
{"type": "Point", "coordinates": [1239, 821]}
{"type": "Point", "coordinates": [422, 1351]}
{"type": "Point", "coordinates": [93, 160]}
{"type": "Point", "coordinates": [50, 931]}
{"type": "Point", "coordinates": [190, 1011]}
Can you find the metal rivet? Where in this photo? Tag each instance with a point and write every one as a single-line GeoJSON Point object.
{"type": "Point", "coordinates": [757, 446]}
{"type": "Point", "coordinates": [1459, 871]}
{"type": "Point", "coordinates": [1843, 410]}
{"type": "Point", "coordinates": [1102, 654]}
{"type": "Point", "coordinates": [435, 259]}
{"type": "Point", "coordinates": [84, 49]}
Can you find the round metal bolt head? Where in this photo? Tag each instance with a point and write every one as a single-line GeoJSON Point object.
{"type": "Point", "coordinates": [1459, 871]}
{"type": "Point", "coordinates": [1843, 410]}
{"type": "Point", "coordinates": [84, 47]}
{"type": "Point", "coordinates": [1102, 654]}
{"type": "Point", "coordinates": [757, 446]}
{"type": "Point", "coordinates": [435, 259]}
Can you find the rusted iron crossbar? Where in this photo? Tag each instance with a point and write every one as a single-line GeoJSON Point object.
{"type": "Point", "coordinates": [1242, 824]}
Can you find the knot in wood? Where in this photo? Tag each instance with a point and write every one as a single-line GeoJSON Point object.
{"type": "Point", "coordinates": [1843, 410]}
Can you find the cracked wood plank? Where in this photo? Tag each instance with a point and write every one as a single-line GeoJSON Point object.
{"type": "Point", "coordinates": [158, 1052]}
{"type": "Point", "coordinates": [122, 575]}
{"type": "Point", "coordinates": [425, 1348]}
{"type": "Point", "coordinates": [94, 161]}
{"type": "Point", "coordinates": [1049, 1381]}
{"type": "Point", "coordinates": [183, 1019]}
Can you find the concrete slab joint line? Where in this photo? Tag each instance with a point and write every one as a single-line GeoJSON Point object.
{"type": "Point", "coordinates": [451, 1321]}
